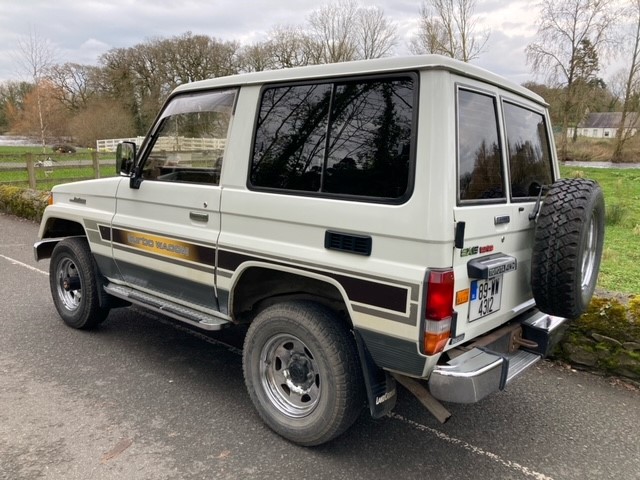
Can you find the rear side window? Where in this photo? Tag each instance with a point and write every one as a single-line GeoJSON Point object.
{"type": "Point", "coordinates": [480, 176]}
{"type": "Point", "coordinates": [528, 146]}
{"type": "Point", "coordinates": [345, 138]}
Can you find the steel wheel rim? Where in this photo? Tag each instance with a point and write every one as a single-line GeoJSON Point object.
{"type": "Point", "coordinates": [70, 298]}
{"type": "Point", "coordinates": [589, 254]}
{"type": "Point", "coordinates": [290, 376]}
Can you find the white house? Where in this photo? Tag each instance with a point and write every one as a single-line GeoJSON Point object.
{"type": "Point", "coordinates": [605, 125]}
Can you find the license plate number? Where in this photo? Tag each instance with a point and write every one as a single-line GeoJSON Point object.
{"type": "Point", "coordinates": [485, 297]}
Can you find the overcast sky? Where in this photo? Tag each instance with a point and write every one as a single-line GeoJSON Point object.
{"type": "Point", "coordinates": [82, 30]}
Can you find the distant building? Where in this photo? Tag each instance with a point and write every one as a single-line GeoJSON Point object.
{"type": "Point", "coordinates": [605, 125]}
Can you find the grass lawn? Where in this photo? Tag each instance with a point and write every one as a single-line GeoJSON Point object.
{"type": "Point", "coordinates": [68, 166]}
{"type": "Point", "coordinates": [620, 268]}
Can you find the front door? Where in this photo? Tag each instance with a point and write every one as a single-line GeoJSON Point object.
{"type": "Point", "coordinates": [165, 231]}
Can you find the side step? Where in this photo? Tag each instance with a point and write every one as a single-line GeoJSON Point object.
{"type": "Point", "coordinates": [173, 310]}
{"type": "Point", "coordinates": [519, 362]}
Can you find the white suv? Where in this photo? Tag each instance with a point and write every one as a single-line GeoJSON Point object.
{"type": "Point", "coordinates": [394, 219]}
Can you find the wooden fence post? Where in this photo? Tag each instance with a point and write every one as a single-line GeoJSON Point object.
{"type": "Point", "coordinates": [31, 171]}
{"type": "Point", "coordinates": [96, 164]}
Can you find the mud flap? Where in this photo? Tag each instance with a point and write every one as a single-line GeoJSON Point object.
{"type": "Point", "coordinates": [380, 385]}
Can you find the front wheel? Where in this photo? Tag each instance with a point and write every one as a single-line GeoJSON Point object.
{"type": "Point", "coordinates": [74, 285]}
{"type": "Point", "coordinates": [302, 372]}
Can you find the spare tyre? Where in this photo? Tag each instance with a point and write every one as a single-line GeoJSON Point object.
{"type": "Point", "coordinates": [567, 248]}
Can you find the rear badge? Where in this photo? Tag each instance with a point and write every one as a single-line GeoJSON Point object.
{"type": "Point", "coordinates": [465, 252]}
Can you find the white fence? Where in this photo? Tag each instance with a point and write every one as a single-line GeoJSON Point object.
{"type": "Point", "coordinates": [171, 144]}
{"type": "Point", "coordinates": [110, 145]}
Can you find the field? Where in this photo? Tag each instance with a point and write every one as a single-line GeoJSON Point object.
{"type": "Point", "coordinates": [620, 270]}
{"type": "Point", "coordinates": [61, 168]}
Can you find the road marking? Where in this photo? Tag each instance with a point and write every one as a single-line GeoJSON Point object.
{"type": "Point", "coordinates": [472, 448]}
{"type": "Point", "coordinates": [441, 435]}
{"type": "Point", "coordinates": [16, 262]}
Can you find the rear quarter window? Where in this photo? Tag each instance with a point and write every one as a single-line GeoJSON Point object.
{"type": "Point", "coordinates": [480, 175]}
{"type": "Point", "coordinates": [529, 151]}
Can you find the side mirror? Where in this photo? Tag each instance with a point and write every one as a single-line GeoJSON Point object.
{"type": "Point", "coordinates": [125, 157]}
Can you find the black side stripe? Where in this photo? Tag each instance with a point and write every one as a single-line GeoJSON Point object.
{"type": "Point", "coordinates": [358, 290]}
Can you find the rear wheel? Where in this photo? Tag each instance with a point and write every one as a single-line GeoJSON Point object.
{"type": "Point", "coordinates": [74, 285]}
{"type": "Point", "coordinates": [302, 372]}
{"type": "Point", "coordinates": [568, 247]}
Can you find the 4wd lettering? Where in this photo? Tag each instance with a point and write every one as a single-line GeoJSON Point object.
{"type": "Point", "coordinates": [465, 252]}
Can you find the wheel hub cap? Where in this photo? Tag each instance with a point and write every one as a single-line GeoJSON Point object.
{"type": "Point", "coordinates": [290, 376]}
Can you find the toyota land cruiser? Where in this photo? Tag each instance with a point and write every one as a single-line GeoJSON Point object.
{"type": "Point", "coordinates": [388, 220]}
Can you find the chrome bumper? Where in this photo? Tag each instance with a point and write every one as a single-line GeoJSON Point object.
{"type": "Point", "coordinates": [479, 372]}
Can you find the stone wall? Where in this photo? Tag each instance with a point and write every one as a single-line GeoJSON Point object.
{"type": "Point", "coordinates": [606, 338]}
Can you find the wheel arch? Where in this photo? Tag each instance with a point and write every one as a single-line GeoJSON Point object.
{"type": "Point", "coordinates": [54, 230]}
{"type": "Point", "coordinates": [258, 286]}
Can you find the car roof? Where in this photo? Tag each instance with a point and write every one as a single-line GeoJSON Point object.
{"type": "Point", "coordinates": [361, 67]}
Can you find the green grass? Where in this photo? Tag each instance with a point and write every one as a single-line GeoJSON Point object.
{"type": "Point", "coordinates": [620, 268]}
{"type": "Point", "coordinates": [20, 150]}
{"type": "Point", "coordinates": [67, 166]}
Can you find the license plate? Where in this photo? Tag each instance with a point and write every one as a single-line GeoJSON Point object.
{"type": "Point", "coordinates": [485, 297]}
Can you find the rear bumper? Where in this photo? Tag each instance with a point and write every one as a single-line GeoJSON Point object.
{"type": "Point", "coordinates": [481, 371]}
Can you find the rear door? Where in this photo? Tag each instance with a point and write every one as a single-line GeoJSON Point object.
{"type": "Point", "coordinates": [504, 159]}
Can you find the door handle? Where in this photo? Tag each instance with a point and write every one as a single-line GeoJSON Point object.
{"type": "Point", "coordinates": [199, 217]}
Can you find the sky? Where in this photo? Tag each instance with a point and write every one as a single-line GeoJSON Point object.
{"type": "Point", "coordinates": [81, 30]}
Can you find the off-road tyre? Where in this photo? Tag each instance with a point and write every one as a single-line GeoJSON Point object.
{"type": "Point", "coordinates": [567, 248]}
{"type": "Point", "coordinates": [303, 346]}
{"type": "Point", "coordinates": [73, 278]}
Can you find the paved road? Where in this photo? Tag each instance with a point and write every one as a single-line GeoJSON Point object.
{"type": "Point", "coordinates": [144, 398]}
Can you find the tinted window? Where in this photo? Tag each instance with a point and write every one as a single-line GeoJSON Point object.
{"type": "Point", "coordinates": [370, 139]}
{"type": "Point", "coordinates": [189, 142]}
{"type": "Point", "coordinates": [479, 156]}
{"type": "Point", "coordinates": [291, 137]}
{"type": "Point", "coordinates": [349, 138]}
{"type": "Point", "coordinates": [529, 157]}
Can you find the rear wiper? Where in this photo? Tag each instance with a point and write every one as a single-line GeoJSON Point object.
{"type": "Point", "coordinates": [536, 209]}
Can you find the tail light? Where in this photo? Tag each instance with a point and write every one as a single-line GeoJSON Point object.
{"type": "Point", "coordinates": [439, 311]}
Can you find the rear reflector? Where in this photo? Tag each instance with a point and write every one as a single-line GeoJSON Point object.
{"type": "Point", "coordinates": [439, 310]}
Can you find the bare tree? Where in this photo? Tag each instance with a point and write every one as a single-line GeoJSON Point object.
{"type": "Point", "coordinates": [377, 35]}
{"type": "Point", "coordinates": [256, 57]}
{"type": "Point", "coordinates": [36, 56]}
{"type": "Point", "coordinates": [73, 82]}
{"type": "Point", "coordinates": [450, 28]}
{"type": "Point", "coordinates": [631, 84]}
{"type": "Point", "coordinates": [345, 30]}
{"type": "Point", "coordinates": [101, 118]}
{"type": "Point", "coordinates": [332, 26]}
{"type": "Point", "coordinates": [572, 36]}
{"type": "Point", "coordinates": [41, 107]}
{"type": "Point", "coordinates": [290, 46]}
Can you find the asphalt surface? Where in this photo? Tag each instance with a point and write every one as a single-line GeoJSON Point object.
{"type": "Point", "coordinates": [144, 398]}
